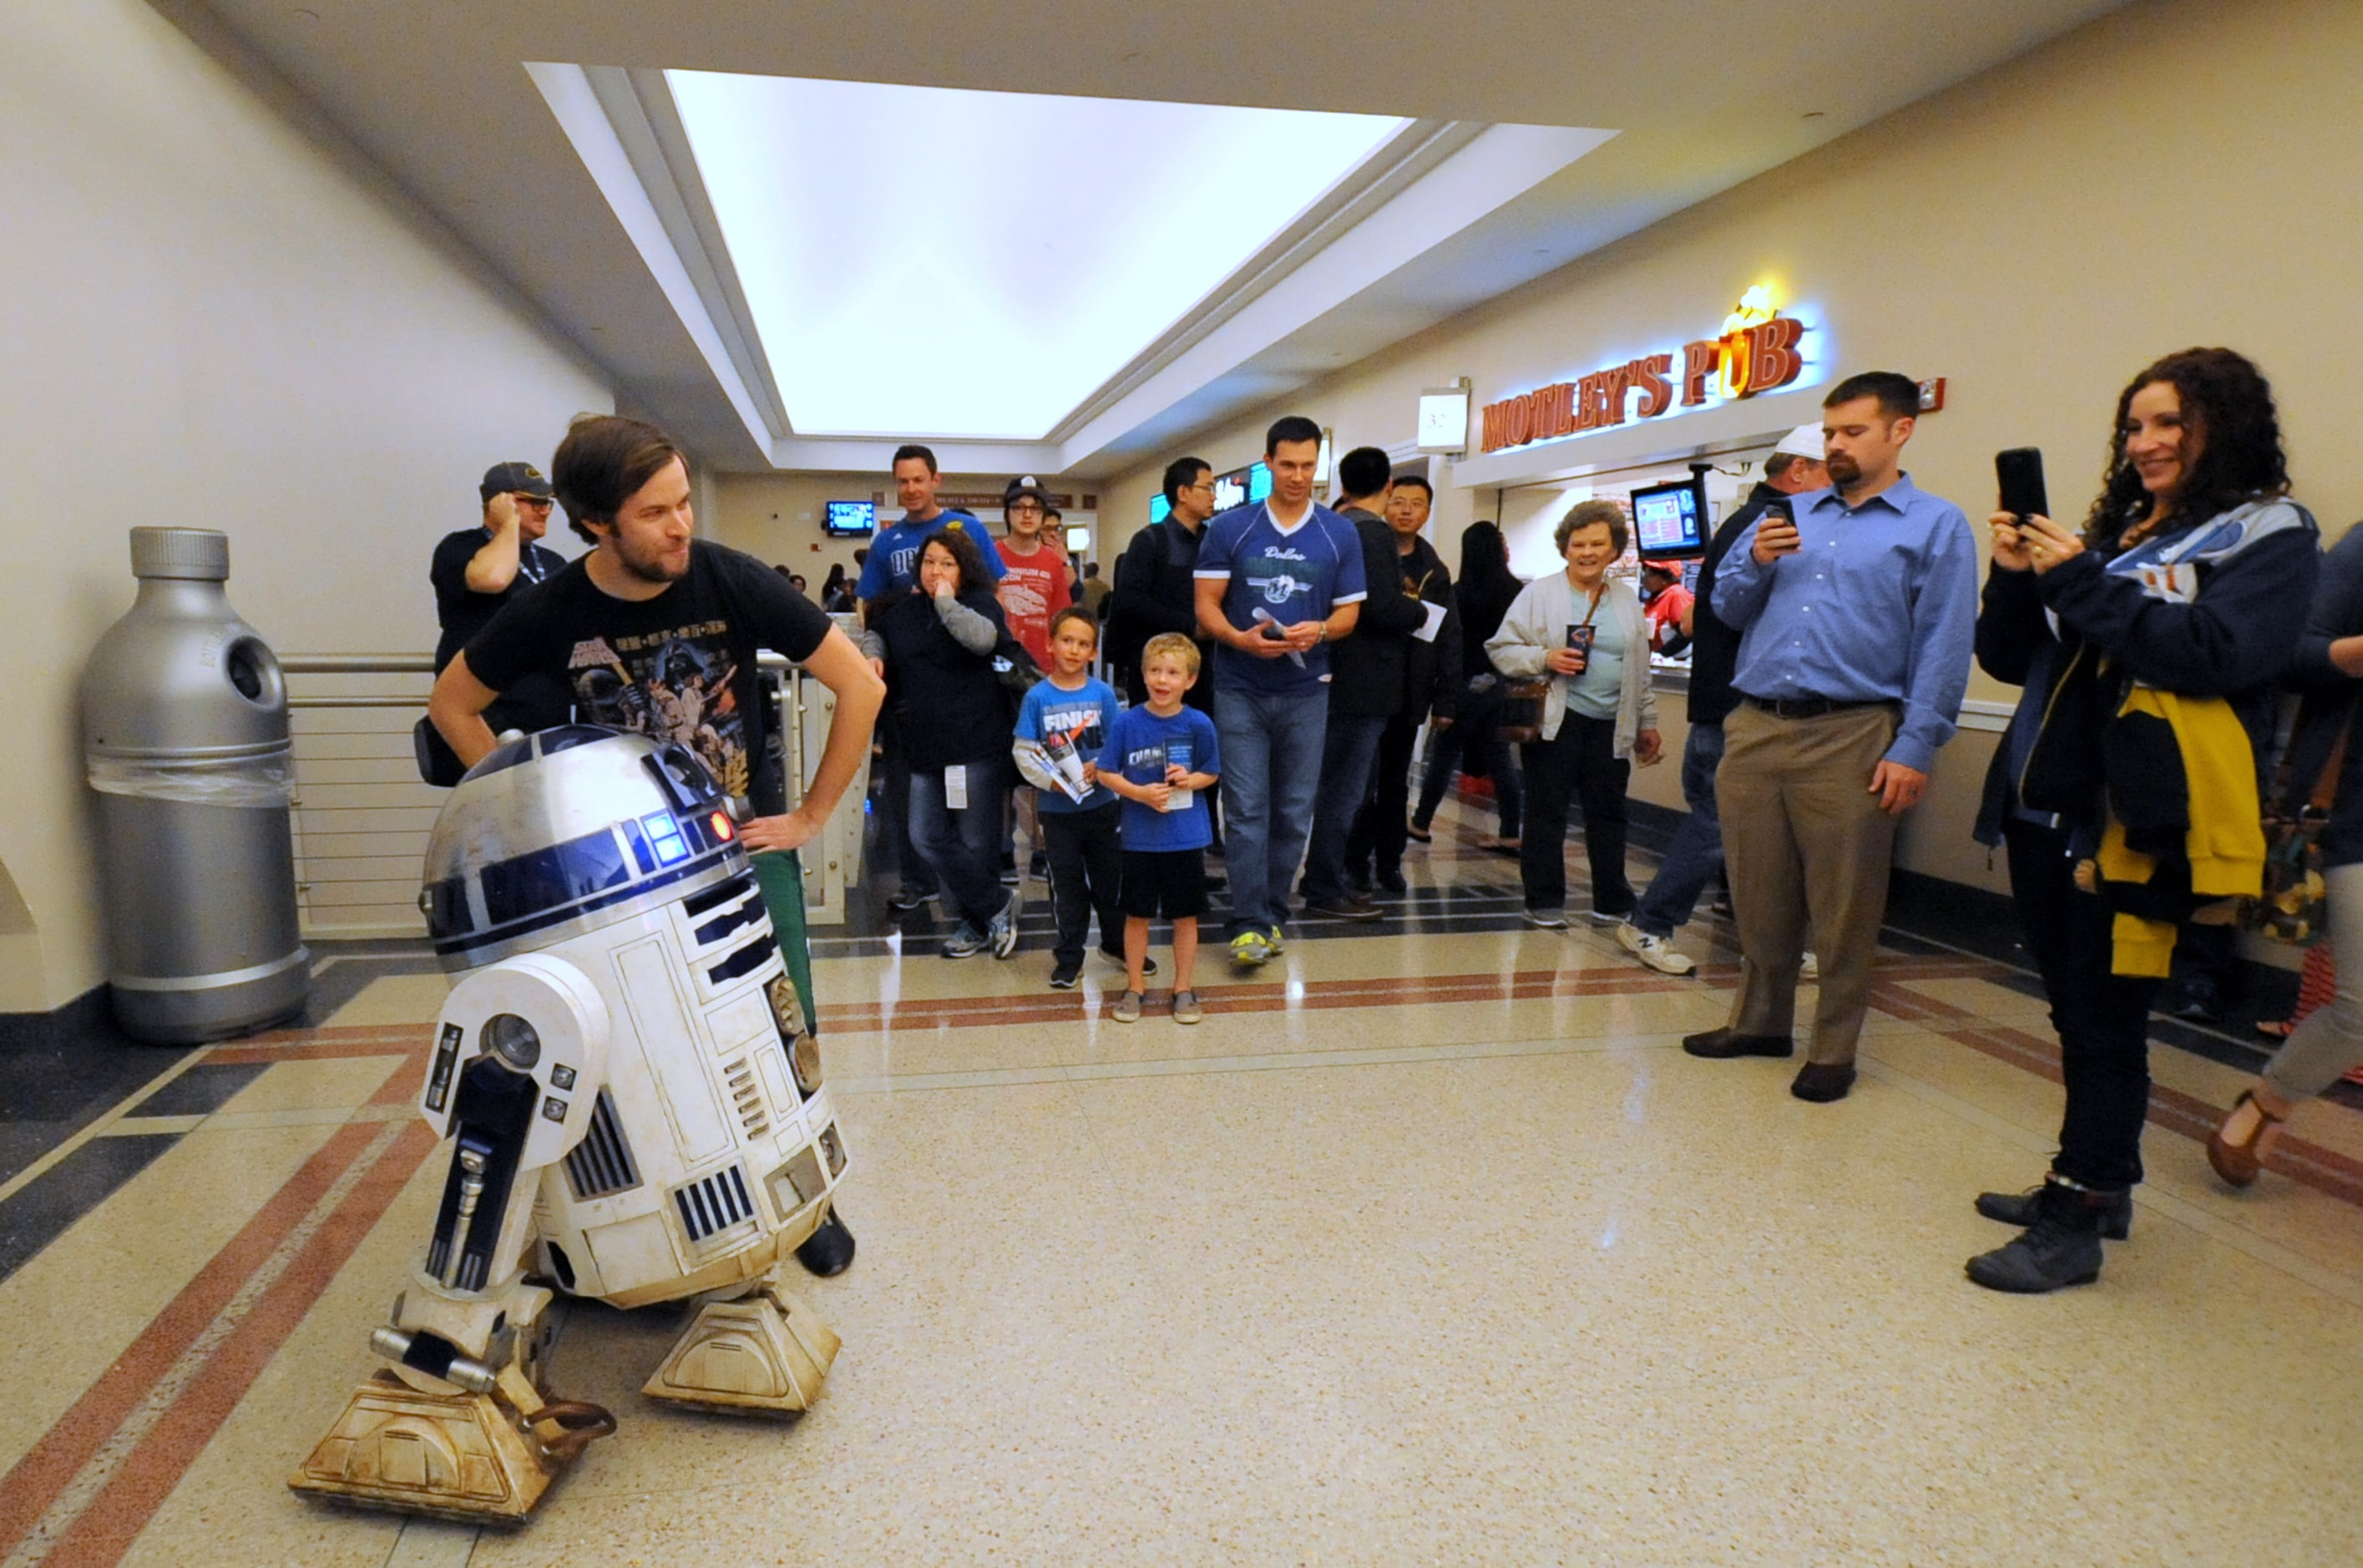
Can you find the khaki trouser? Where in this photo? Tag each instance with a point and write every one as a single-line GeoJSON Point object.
{"type": "Point", "coordinates": [1808, 851]}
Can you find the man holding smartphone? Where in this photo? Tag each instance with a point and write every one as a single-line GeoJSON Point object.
{"type": "Point", "coordinates": [1694, 855]}
{"type": "Point", "coordinates": [1856, 623]}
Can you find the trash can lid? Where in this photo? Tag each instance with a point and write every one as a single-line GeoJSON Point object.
{"type": "Point", "coordinates": [199, 554]}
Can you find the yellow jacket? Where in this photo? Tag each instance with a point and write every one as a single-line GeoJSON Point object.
{"type": "Point", "coordinates": [2226, 842]}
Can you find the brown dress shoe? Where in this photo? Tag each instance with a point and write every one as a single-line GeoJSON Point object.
{"type": "Point", "coordinates": [1718, 1045]}
{"type": "Point", "coordinates": [2240, 1164]}
{"type": "Point", "coordinates": [1822, 1082]}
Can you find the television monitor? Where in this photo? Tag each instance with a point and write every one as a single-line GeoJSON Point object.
{"type": "Point", "coordinates": [1669, 519]}
{"type": "Point", "coordinates": [1259, 480]}
{"type": "Point", "coordinates": [849, 519]}
{"type": "Point", "coordinates": [1230, 490]}
{"type": "Point", "coordinates": [1160, 509]}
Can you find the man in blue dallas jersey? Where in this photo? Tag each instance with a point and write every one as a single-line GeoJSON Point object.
{"type": "Point", "coordinates": [1277, 580]}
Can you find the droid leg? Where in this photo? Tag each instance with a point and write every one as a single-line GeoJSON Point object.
{"type": "Point", "coordinates": [765, 1353]}
{"type": "Point", "coordinates": [456, 1424]}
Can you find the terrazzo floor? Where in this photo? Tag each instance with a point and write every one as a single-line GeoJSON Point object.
{"type": "Point", "coordinates": [1429, 1245]}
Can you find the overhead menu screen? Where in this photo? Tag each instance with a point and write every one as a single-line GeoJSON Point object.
{"type": "Point", "coordinates": [1669, 519]}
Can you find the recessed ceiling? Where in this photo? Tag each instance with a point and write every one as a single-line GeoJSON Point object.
{"type": "Point", "coordinates": [438, 99]}
{"type": "Point", "coordinates": [955, 263]}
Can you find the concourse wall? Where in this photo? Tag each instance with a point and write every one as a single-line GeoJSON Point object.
{"type": "Point", "coordinates": [216, 315]}
{"type": "Point", "coordinates": [2176, 174]}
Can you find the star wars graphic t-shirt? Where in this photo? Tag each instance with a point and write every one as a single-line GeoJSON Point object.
{"type": "Point", "coordinates": [1284, 577]}
{"type": "Point", "coordinates": [679, 667]}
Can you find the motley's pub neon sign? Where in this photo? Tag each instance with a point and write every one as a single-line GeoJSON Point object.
{"type": "Point", "coordinates": [1758, 351]}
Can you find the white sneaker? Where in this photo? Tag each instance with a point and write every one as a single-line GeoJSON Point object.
{"type": "Point", "coordinates": [1656, 952]}
{"type": "Point", "coordinates": [1809, 968]}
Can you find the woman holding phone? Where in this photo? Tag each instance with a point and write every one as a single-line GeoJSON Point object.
{"type": "Point", "coordinates": [2180, 583]}
{"type": "Point", "coordinates": [937, 646]}
{"type": "Point", "coordinates": [1598, 716]}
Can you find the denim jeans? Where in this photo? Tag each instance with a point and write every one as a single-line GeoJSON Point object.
{"type": "Point", "coordinates": [963, 847]}
{"type": "Point", "coordinates": [1346, 751]}
{"type": "Point", "coordinates": [1271, 769]}
{"type": "Point", "coordinates": [1694, 854]}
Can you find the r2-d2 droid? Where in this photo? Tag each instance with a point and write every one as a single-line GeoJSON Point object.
{"type": "Point", "coordinates": [636, 1114]}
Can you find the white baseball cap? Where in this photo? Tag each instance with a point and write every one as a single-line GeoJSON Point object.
{"type": "Point", "coordinates": [1805, 441]}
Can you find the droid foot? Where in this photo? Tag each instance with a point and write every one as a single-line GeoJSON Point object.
{"type": "Point", "coordinates": [764, 1353]}
{"type": "Point", "coordinates": [827, 1251]}
{"type": "Point", "coordinates": [453, 1455]}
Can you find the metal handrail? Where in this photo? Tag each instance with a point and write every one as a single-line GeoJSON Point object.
{"type": "Point", "coordinates": [358, 665]}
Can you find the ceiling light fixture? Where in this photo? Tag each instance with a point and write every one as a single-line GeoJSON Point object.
{"type": "Point", "coordinates": [915, 259]}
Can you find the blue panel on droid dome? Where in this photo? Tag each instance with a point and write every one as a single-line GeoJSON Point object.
{"type": "Point", "coordinates": [566, 737]}
{"type": "Point", "coordinates": [665, 838]}
{"type": "Point", "coordinates": [545, 879]}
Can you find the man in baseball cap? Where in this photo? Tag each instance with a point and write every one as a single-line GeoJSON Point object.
{"type": "Point", "coordinates": [475, 572]}
{"type": "Point", "coordinates": [1694, 856]}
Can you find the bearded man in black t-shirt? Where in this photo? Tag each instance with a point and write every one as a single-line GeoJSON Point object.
{"type": "Point", "coordinates": [656, 632]}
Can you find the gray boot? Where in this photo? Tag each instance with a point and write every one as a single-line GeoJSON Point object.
{"type": "Point", "coordinates": [2062, 1247]}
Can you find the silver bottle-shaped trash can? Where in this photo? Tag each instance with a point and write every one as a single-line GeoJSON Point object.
{"type": "Point", "coordinates": [184, 735]}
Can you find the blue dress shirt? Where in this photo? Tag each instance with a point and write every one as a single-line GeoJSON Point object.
{"type": "Point", "coordinates": [1880, 603]}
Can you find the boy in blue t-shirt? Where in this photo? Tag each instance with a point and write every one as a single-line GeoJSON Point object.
{"type": "Point", "coordinates": [1164, 760]}
{"type": "Point", "coordinates": [1072, 705]}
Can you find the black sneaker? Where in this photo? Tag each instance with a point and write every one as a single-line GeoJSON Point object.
{"type": "Point", "coordinates": [1063, 978]}
{"type": "Point", "coordinates": [1148, 965]}
{"type": "Point", "coordinates": [2023, 1209]}
{"type": "Point", "coordinates": [1038, 866]}
{"type": "Point", "coordinates": [907, 900]}
{"type": "Point", "coordinates": [2061, 1249]}
{"type": "Point", "coordinates": [1390, 882]}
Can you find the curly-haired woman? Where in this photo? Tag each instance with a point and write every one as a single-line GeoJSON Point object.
{"type": "Point", "coordinates": [2177, 600]}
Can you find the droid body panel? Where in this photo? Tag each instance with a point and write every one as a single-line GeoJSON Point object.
{"type": "Point", "coordinates": [634, 1114]}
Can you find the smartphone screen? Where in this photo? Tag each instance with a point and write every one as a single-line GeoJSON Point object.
{"type": "Point", "coordinates": [2019, 474]}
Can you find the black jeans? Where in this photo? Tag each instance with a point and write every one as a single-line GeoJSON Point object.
{"type": "Point", "coordinates": [1580, 764]}
{"type": "Point", "coordinates": [1379, 832]}
{"type": "Point", "coordinates": [2102, 1020]}
{"type": "Point", "coordinates": [1086, 873]}
{"type": "Point", "coordinates": [1475, 734]}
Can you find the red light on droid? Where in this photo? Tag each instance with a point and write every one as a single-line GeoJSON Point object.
{"type": "Point", "coordinates": [720, 823]}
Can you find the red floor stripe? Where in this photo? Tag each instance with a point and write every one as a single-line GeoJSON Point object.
{"type": "Point", "coordinates": [123, 1508]}
{"type": "Point", "coordinates": [50, 1466]}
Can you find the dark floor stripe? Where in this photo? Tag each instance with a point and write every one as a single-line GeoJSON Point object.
{"type": "Point", "coordinates": [51, 1202]}
{"type": "Point", "coordinates": [202, 1090]}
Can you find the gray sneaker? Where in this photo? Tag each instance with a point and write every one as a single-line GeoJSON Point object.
{"type": "Point", "coordinates": [966, 942]}
{"type": "Point", "coordinates": [1127, 1008]}
{"type": "Point", "coordinates": [1548, 919]}
{"type": "Point", "coordinates": [1185, 1008]}
{"type": "Point", "coordinates": [1002, 933]}
{"type": "Point", "coordinates": [1656, 952]}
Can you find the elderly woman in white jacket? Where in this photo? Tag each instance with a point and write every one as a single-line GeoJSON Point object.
{"type": "Point", "coordinates": [1598, 718]}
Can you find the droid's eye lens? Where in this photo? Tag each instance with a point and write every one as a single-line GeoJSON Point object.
{"type": "Point", "coordinates": [512, 1039]}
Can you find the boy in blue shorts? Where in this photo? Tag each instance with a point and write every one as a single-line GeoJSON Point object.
{"type": "Point", "coordinates": [1162, 760]}
{"type": "Point", "coordinates": [1070, 707]}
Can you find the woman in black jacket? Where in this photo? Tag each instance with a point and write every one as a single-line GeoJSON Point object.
{"type": "Point", "coordinates": [938, 645]}
{"type": "Point", "coordinates": [1486, 589]}
{"type": "Point", "coordinates": [2182, 582]}
{"type": "Point", "coordinates": [2328, 667]}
